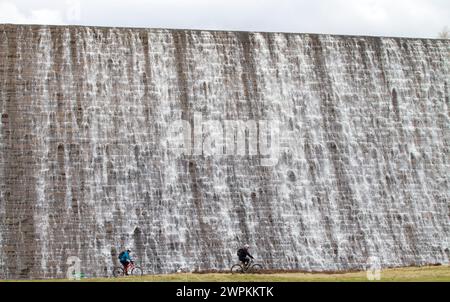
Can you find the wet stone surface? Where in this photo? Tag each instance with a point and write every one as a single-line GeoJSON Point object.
{"type": "Point", "coordinates": [87, 169]}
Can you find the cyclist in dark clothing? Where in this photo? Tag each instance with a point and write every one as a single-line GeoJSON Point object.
{"type": "Point", "coordinates": [244, 255]}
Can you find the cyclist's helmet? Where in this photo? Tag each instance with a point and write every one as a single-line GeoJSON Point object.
{"type": "Point", "coordinates": [129, 251]}
{"type": "Point", "coordinates": [246, 246]}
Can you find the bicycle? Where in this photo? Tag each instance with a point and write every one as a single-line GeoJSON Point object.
{"type": "Point", "coordinates": [132, 270]}
{"type": "Point", "coordinates": [250, 268]}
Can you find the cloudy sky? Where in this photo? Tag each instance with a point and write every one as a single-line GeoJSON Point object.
{"type": "Point", "coordinates": [411, 18]}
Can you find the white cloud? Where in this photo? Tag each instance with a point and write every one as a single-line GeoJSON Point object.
{"type": "Point", "coordinates": [10, 13]}
{"type": "Point", "coordinates": [46, 16]}
{"type": "Point", "coordinates": [371, 11]}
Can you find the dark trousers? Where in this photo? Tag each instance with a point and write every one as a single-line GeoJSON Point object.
{"type": "Point", "coordinates": [244, 260]}
{"type": "Point", "coordinates": [125, 265]}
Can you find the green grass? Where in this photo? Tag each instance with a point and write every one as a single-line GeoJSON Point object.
{"type": "Point", "coordinates": [421, 274]}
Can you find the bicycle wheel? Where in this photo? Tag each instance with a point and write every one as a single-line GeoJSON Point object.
{"type": "Point", "coordinates": [255, 269]}
{"type": "Point", "coordinates": [118, 271]}
{"type": "Point", "coordinates": [237, 269]}
{"type": "Point", "coordinates": [137, 271]}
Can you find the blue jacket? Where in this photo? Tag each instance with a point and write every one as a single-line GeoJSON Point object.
{"type": "Point", "coordinates": [125, 257]}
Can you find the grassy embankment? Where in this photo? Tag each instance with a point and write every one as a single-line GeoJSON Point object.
{"type": "Point", "coordinates": [429, 273]}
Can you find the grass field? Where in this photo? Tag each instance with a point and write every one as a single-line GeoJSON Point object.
{"type": "Point", "coordinates": [425, 274]}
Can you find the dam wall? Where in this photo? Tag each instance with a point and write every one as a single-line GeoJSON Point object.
{"type": "Point", "coordinates": [321, 152]}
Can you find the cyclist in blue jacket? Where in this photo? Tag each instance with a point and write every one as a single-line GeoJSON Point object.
{"type": "Point", "coordinates": [125, 260]}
